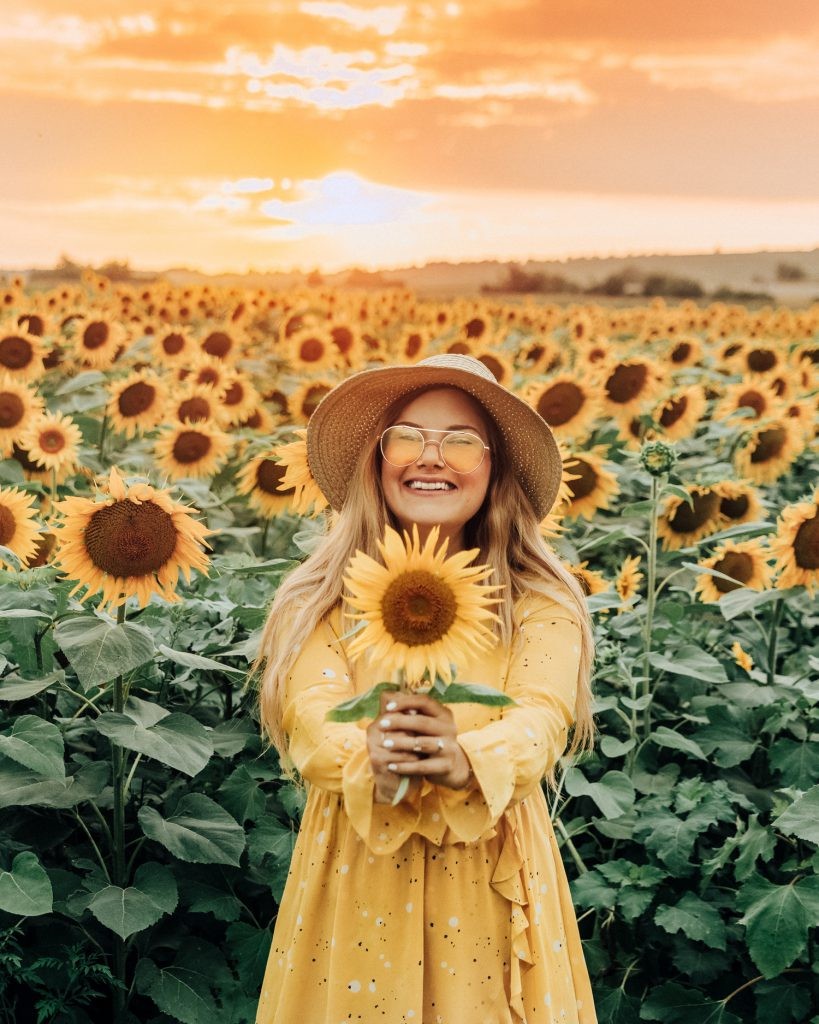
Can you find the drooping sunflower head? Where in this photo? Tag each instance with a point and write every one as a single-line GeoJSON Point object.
{"type": "Point", "coordinates": [18, 527]}
{"type": "Point", "coordinates": [132, 543]}
{"type": "Point", "coordinates": [423, 611]}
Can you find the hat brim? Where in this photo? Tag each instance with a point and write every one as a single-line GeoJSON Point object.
{"type": "Point", "coordinates": [349, 414]}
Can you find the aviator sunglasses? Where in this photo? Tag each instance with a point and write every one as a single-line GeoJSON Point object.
{"type": "Point", "coordinates": [460, 450]}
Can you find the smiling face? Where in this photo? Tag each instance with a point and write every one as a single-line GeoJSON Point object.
{"type": "Point", "coordinates": [427, 492]}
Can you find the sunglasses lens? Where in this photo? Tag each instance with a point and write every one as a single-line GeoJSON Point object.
{"type": "Point", "coordinates": [462, 452]}
{"type": "Point", "coordinates": [401, 446]}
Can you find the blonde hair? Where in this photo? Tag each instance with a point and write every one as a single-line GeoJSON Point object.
{"type": "Point", "coordinates": [505, 530]}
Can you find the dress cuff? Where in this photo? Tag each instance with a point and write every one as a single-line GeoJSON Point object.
{"type": "Point", "coordinates": [383, 828]}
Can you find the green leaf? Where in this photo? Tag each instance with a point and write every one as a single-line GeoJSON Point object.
{"type": "Point", "coordinates": [781, 1001]}
{"type": "Point", "coordinates": [200, 831]}
{"type": "Point", "coordinates": [671, 838]}
{"type": "Point", "coordinates": [364, 705]}
{"type": "Point", "coordinates": [617, 1007]}
{"type": "Point", "coordinates": [798, 763]}
{"type": "Point", "coordinates": [613, 794]}
{"type": "Point", "coordinates": [249, 948]}
{"type": "Point", "coordinates": [665, 737]}
{"type": "Point", "coordinates": [694, 918]}
{"type": "Point", "coordinates": [756, 841]}
{"type": "Point", "coordinates": [99, 651]}
{"type": "Point", "coordinates": [475, 693]}
{"type": "Point", "coordinates": [691, 661]}
{"type": "Point", "coordinates": [182, 991]}
{"type": "Point", "coordinates": [177, 740]}
{"type": "Point", "coordinates": [37, 745]}
{"type": "Point", "coordinates": [738, 602]}
{"type": "Point", "coordinates": [242, 796]}
{"type": "Point", "coordinates": [777, 919]}
{"type": "Point", "coordinates": [612, 747]}
{"type": "Point", "coordinates": [271, 837]}
{"type": "Point", "coordinates": [207, 899]}
{"type": "Point", "coordinates": [14, 688]}
{"type": "Point", "coordinates": [231, 737]}
{"type": "Point", "coordinates": [20, 786]}
{"type": "Point", "coordinates": [673, 1004]}
{"type": "Point", "coordinates": [190, 660]}
{"type": "Point", "coordinates": [25, 891]}
{"type": "Point", "coordinates": [802, 817]}
{"type": "Point", "coordinates": [130, 910]}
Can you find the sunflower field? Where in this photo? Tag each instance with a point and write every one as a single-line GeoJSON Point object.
{"type": "Point", "coordinates": [153, 492]}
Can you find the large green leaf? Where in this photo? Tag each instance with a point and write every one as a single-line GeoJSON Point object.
{"type": "Point", "coordinates": [183, 989]}
{"type": "Point", "coordinates": [757, 841]}
{"type": "Point", "coordinates": [613, 794]}
{"type": "Point", "coordinates": [130, 910]}
{"type": "Point", "coordinates": [99, 651]}
{"type": "Point", "coordinates": [694, 918]}
{"type": "Point", "coordinates": [363, 705]}
{"type": "Point", "coordinates": [665, 737]}
{"type": "Point", "coordinates": [798, 762]}
{"type": "Point", "coordinates": [691, 661]}
{"type": "Point", "coordinates": [242, 795]}
{"type": "Point", "coordinates": [270, 836]}
{"type": "Point", "coordinates": [37, 745]}
{"type": "Point", "coordinates": [777, 919]}
{"type": "Point", "coordinates": [740, 601]}
{"type": "Point", "coordinates": [802, 817]}
{"type": "Point", "coordinates": [198, 661]}
{"type": "Point", "coordinates": [671, 838]}
{"type": "Point", "coordinates": [20, 786]}
{"type": "Point", "coordinates": [673, 1004]}
{"type": "Point", "coordinates": [199, 831]}
{"type": "Point", "coordinates": [177, 740]}
{"type": "Point", "coordinates": [249, 948]}
{"type": "Point", "coordinates": [14, 688]}
{"type": "Point", "coordinates": [25, 891]}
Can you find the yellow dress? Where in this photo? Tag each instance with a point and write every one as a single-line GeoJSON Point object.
{"type": "Point", "coordinates": [453, 907]}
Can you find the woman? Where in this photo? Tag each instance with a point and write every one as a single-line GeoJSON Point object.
{"type": "Point", "coordinates": [451, 906]}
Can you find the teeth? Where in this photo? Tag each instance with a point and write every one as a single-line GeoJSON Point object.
{"type": "Point", "coordinates": [424, 485]}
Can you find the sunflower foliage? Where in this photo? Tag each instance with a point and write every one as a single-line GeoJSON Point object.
{"type": "Point", "coordinates": [146, 832]}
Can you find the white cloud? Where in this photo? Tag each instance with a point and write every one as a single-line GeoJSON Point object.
{"type": "Point", "coordinates": [385, 20]}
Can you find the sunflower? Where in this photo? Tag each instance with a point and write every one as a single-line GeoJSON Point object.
{"type": "Point", "coordinates": [173, 346]}
{"type": "Point", "coordinates": [795, 545]}
{"type": "Point", "coordinates": [224, 342]}
{"type": "Point", "coordinates": [206, 370]}
{"type": "Point", "coordinates": [498, 365]}
{"type": "Point", "coordinates": [137, 402]}
{"type": "Point", "coordinates": [680, 524]}
{"type": "Point", "coordinates": [192, 450]}
{"type": "Point", "coordinates": [741, 657]}
{"type": "Point", "coordinates": [303, 401]}
{"type": "Point", "coordinates": [18, 529]}
{"type": "Point", "coordinates": [262, 480]}
{"type": "Point", "coordinates": [133, 543]}
{"type": "Point", "coordinates": [630, 385]}
{"type": "Point", "coordinates": [259, 419]}
{"type": "Point", "coordinates": [18, 406]}
{"type": "Point", "coordinates": [591, 581]}
{"type": "Point", "coordinates": [685, 351]}
{"type": "Point", "coordinates": [238, 400]}
{"type": "Point", "coordinates": [46, 543]}
{"type": "Point", "coordinates": [277, 400]}
{"type": "Point", "coordinates": [627, 581]}
{"type": "Point", "coordinates": [591, 485]}
{"type": "Point", "coordinates": [760, 359]}
{"type": "Point", "coordinates": [21, 353]}
{"type": "Point", "coordinates": [744, 561]}
{"type": "Point", "coordinates": [759, 397]}
{"type": "Point", "coordinates": [769, 450]}
{"type": "Point", "coordinates": [412, 344]}
{"type": "Point", "coordinates": [423, 611]}
{"type": "Point", "coordinates": [193, 403]}
{"type": "Point", "coordinates": [679, 413]}
{"type": "Point", "coordinates": [569, 406]}
{"type": "Point", "coordinates": [740, 503]}
{"type": "Point", "coordinates": [51, 441]}
{"type": "Point", "coordinates": [297, 476]}
{"type": "Point", "coordinates": [347, 340]}
{"type": "Point", "coordinates": [98, 341]}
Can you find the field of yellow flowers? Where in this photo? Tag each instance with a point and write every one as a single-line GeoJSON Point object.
{"type": "Point", "coordinates": [153, 490]}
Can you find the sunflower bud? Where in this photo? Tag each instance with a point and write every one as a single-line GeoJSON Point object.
{"type": "Point", "coordinates": [657, 457]}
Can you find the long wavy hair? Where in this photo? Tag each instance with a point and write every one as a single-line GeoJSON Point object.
{"type": "Point", "coordinates": [506, 532]}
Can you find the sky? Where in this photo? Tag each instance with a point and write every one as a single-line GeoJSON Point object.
{"type": "Point", "coordinates": [233, 135]}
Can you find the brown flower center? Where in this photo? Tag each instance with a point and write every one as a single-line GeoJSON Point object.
{"type": "Point", "coordinates": [806, 544]}
{"type": "Point", "coordinates": [269, 475]}
{"type": "Point", "coordinates": [412, 345]}
{"type": "Point", "coordinates": [680, 352]}
{"type": "Point", "coordinates": [173, 343]}
{"type": "Point", "coordinates": [191, 410]}
{"type": "Point", "coordinates": [136, 398]}
{"type": "Point", "coordinates": [191, 446]}
{"type": "Point", "coordinates": [673, 410]}
{"type": "Point", "coordinates": [22, 456]}
{"type": "Point", "coordinates": [342, 338]}
{"type": "Point", "coordinates": [685, 519]}
{"type": "Point", "coordinates": [12, 410]}
{"type": "Point", "coordinates": [254, 420]}
{"type": "Point", "coordinates": [218, 344]}
{"type": "Point", "coordinates": [770, 444]}
{"type": "Point", "coordinates": [46, 542]}
{"type": "Point", "coordinates": [753, 400]}
{"type": "Point", "coordinates": [33, 323]}
{"type": "Point", "coordinates": [418, 608]}
{"type": "Point", "coordinates": [760, 360]}
{"type": "Point", "coordinates": [278, 399]}
{"type": "Point", "coordinates": [311, 350]}
{"type": "Point", "coordinates": [626, 382]}
{"type": "Point", "coordinates": [15, 352]}
{"type": "Point", "coordinates": [495, 366]}
{"type": "Point", "coordinates": [312, 398]}
{"type": "Point", "coordinates": [234, 394]}
{"type": "Point", "coordinates": [52, 441]}
{"type": "Point", "coordinates": [208, 375]}
{"type": "Point", "coordinates": [95, 334]}
{"type": "Point", "coordinates": [8, 524]}
{"type": "Point", "coordinates": [475, 327]}
{"type": "Point", "coordinates": [735, 508]}
{"type": "Point", "coordinates": [130, 539]}
{"type": "Point", "coordinates": [561, 402]}
{"type": "Point", "coordinates": [587, 479]}
{"type": "Point", "coordinates": [738, 565]}
{"type": "Point", "coordinates": [459, 348]}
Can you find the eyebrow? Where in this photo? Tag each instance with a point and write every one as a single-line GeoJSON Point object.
{"type": "Point", "coordinates": [453, 426]}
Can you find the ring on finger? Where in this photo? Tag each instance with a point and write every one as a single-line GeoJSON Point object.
{"type": "Point", "coordinates": [416, 747]}
{"type": "Point", "coordinates": [440, 743]}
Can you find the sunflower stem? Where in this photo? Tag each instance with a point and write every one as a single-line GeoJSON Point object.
{"type": "Point", "coordinates": [103, 431]}
{"type": "Point", "coordinates": [53, 488]}
{"type": "Point", "coordinates": [777, 615]}
{"type": "Point", "coordinates": [264, 537]}
{"type": "Point", "coordinates": [651, 597]}
{"type": "Point", "coordinates": [118, 830]}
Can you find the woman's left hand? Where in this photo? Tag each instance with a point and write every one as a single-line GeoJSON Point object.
{"type": "Point", "coordinates": [428, 728]}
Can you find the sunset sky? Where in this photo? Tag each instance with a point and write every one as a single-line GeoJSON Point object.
{"type": "Point", "coordinates": [314, 133]}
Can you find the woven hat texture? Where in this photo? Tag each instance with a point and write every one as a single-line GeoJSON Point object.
{"type": "Point", "coordinates": [349, 414]}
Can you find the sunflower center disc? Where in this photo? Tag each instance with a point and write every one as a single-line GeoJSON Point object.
{"type": "Point", "coordinates": [560, 403]}
{"type": "Point", "coordinates": [173, 344]}
{"type": "Point", "coordinates": [626, 383]}
{"type": "Point", "coordinates": [673, 410]}
{"type": "Point", "coordinates": [342, 339]}
{"type": "Point", "coordinates": [268, 477]}
{"type": "Point", "coordinates": [418, 608]}
{"type": "Point", "coordinates": [752, 400]}
{"type": "Point", "coordinates": [734, 508]}
{"type": "Point", "coordinates": [312, 399]}
{"type": "Point", "coordinates": [15, 353]}
{"type": "Point", "coordinates": [95, 335]}
{"type": "Point", "coordinates": [191, 446]}
{"type": "Point", "coordinates": [685, 519]}
{"type": "Point", "coordinates": [736, 564]}
{"type": "Point", "coordinates": [234, 394]}
{"type": "Point", "coordinates": [217, 344]}
{"type": "Point", "coordinates": [130, 539]}
{"type": "Point", "coordinates": [761, 360]}
{"type": "Point", "coordinates": [770, 444]}
{"type": "Point", "coordinates": [136, 398]}
{"type": "Point", "coordinates": [8, 524]}
{"type": "Point", "coordinates": [311, 350]}
{"type": "Point", "coordinates": [11, 409]}
{"type": "Point", "coordinates": [681, 352]}
{"type": "Point", "coordinates": [806, 544]}
{"type": "Point", "coordinates": [52, 441]}
{"type": "Point", "coordinates": [586, 480]}
{"type": "Point", "coordinates": [193, 409]}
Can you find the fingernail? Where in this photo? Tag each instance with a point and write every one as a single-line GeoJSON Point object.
{"type": "Point", "coordinates": [389, 743]}
{"type": "Point", "coordinates": [384, 723]}
{"type": "Point", "coordinates": [392, 766]}
{"type": "Point", "coordinates": [392, 705]}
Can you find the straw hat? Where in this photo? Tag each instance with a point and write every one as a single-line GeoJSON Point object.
{"type": "Point", "coordinates": [349, 414]}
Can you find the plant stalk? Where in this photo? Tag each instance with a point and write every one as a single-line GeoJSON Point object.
{"type": "Point", "coordinates": [118, 831]}
{"type": "Point", "coordinates": [650, 600]}
{"type": "Point", "coordinates": [777, 615]}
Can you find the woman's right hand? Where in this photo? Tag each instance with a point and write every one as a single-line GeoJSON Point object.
{"type": "Point", "coordinates": [384, 751]}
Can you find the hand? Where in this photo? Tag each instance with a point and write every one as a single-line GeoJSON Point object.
{"type": "Point", "coordinates": [421, 741]}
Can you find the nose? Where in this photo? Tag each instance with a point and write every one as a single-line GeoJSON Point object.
{"type": "Point", "coordinates": [424, 458]}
